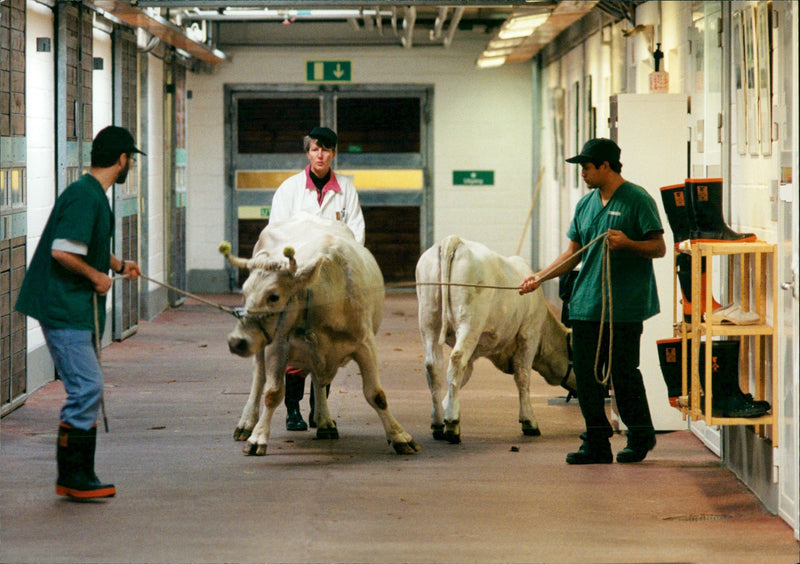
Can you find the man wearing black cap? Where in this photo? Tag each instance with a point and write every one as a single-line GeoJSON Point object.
{"type": "Point", "coordinates": [629, 216]}
{"type": "Point", "coordinates": [319, 191]}
{"type": "Point", "coordinates": [69, 268]}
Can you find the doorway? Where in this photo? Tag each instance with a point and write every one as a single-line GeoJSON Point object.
{"type": "Point", "coordinates": [383, 146]}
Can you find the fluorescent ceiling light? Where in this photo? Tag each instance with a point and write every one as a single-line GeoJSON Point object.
{"type": "Point", "coordinates": [503, 43]}
{"type": "Point", "coordinates": [497, 52]}
{"type": "Point", "coordinates": [521, 26]}
{"type": "Point", "coordinates": [514, 33]}
{"type": "Point", "coordinates": [489, 62]}
{"type": "Point", "coordinates": [531, 22]}
{"type": "Point", "coordinates": [510, 36]}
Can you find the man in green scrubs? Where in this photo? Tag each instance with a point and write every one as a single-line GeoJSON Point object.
{"type": "Point", "coordinates": [635, 236]}
{"type": "Point", "coordinates": [71, 264]}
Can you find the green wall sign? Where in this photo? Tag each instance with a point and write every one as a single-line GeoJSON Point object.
{"type": "Point", "coordinates": [329, 71]}
{"type": "Point", "coordinates": [473, 178]}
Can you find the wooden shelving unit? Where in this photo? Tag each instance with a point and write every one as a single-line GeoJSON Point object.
{"type": "Point", "coordinates": [751, 278]}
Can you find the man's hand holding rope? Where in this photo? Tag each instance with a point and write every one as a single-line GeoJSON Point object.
{"type": "Point", "coordinates": [565, 262]}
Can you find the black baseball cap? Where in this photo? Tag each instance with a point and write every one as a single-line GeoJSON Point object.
{"type": "Point", "coordinates": [112, 141]}
{"type": "Point", "coordinates": [326, 136]}
{"type": "Point", "coordinates": [597, 150]}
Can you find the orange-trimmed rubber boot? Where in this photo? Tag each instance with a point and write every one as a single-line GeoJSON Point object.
{"type": "Point", "coordinates": [705, 195]}
{"type": "Point", "coordinates": [75, 456]}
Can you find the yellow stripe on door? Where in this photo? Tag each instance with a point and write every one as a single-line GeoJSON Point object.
{"type": "Point", "coordinates": [385, 179]}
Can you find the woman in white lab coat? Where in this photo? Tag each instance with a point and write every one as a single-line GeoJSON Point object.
{"type": "Point", "coordinates": [319, 191]}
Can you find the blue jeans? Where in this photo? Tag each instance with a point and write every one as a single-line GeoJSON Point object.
{"type": "Point", "coordinates": [76, 362]}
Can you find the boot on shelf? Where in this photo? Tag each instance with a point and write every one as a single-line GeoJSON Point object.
{"type": "Point", "coordinates": [674, 200]}
{"type": "Point", "coordinates": [669, 358]}
{"type": "Point", "coordinates": [704, 196]}
{"type": "Point", "coordinates": [684, 265]}
{"type": "Point", "coordinates": [727, 399]}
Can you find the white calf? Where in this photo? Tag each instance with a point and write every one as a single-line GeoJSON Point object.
{"type": "Point", "coordinates": [514, 332]}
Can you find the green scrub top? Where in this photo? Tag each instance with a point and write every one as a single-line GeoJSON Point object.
{"type": "Point", "coordinates": [52, 294]}
{"type": "Point", "coordinates": [633, 285]}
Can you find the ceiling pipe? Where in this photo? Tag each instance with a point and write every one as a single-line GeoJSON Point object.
{"type": "Point", "coordinates": [280, 15]}
{"type": "Point", "coordinates": [451, 31]}
{"type": "Point", "coordinates": [438, 25]}
{"type": "Point", "coordinates": [408, 27]}
{"type": "Point", "coordinates": [151, 44]}
{"type": "Point", "coordinates": [369, 23]}
{"type": "Point", "coordinates": [394, 20]}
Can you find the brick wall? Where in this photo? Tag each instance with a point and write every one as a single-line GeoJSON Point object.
{"type": "Point", "coordinates": [12, 68]}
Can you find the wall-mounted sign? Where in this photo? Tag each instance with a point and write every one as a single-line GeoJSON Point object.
{"type": "Point", "coordinates": [254, 212]}
{"type": "Point", "coordinates": [473, 178]}
{"type": "Point", "coordinates": [329, 71]}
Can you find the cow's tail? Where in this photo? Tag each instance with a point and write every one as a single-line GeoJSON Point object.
{"type": "Point", "coordinates": [447, 251]}
{"type": "Point", "coordinates": [225, 249]}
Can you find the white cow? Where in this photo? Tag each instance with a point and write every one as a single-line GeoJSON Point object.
{"type": "Point", "coordinates": [514, 332]}
{"type": "Point", "coordinates": [313, 299]}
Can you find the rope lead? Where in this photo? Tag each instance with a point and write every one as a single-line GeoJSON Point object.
{"type": "Point", "coordinates": [238, 314]}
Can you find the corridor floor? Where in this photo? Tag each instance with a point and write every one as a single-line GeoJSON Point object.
{"type": "Point", "coordinates": [187, 493]}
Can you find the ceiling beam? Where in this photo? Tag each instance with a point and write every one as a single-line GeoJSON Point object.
{"type": "Point", "coordinates": [564, 15]}
{"type": "Point", "coordinates": [161, 28]}
{"type": "Point", "coordinates": [307, 4]}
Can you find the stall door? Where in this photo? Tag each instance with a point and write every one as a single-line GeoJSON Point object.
{"type": "Point", "coordinates": [126, 196]}
{"type": "Point", "coordinates": [382, 147]}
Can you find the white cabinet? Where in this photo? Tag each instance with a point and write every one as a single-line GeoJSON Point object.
{"type": "Point", "coordinates": [652, 131]}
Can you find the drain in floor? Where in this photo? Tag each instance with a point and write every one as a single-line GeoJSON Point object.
{"type": "Point", "coordinates": [697, 517]}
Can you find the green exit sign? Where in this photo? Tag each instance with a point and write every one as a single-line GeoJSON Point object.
{"type": "Point", "coordinates": [328, 71]}
{"type": "Point", "coordinates": [473, 178]}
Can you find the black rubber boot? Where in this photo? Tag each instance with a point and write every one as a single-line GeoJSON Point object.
{"type": "Point", "coordinates": [669, 358]}
{"type": "Point", "coordinates": [684, 266]}
{"type": "Point", "coordinates": [295, 386]}
{"type": "Point", "coordinates": [639, 444]}
{"type": "Point", "coordinates": [592, 451]}
{"type": "Point", "coordinates": [727, 399]}
{"type": "Point", "coordinates": [705, 196]}
{"type": "Point", "coordinates": [680, 222]}
{"type": "Point", "coordinates": [75, 457]}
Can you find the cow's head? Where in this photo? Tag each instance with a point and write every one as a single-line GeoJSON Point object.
{"type": "Point", "coordinates": [272, 301]}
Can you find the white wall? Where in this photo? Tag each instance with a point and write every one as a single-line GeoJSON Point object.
{"type": "Point", "coordinates": [481, 121]}
{"type": "Point", "coordinates": [39, 128]}
{"type": "Point", "coordinates": [156, 226]}
{"type": "Point", "coordinates": [750, 179]}
{"type": "Point", "coordinates": [102, 83]}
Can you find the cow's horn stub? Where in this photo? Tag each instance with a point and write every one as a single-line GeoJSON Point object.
{"type": "Point", "coordinates": [225, 248]}
{"type": "Point", "coordinates": [288, 252]}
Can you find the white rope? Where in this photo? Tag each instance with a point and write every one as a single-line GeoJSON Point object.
{"type": "Point", "coordinates": [98, 350]}
{"type": "Point", "coordinates": [605, 279]}
{"type": "Point", "coordinates": [605, 273]}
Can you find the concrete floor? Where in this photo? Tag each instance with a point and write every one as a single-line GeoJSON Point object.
{"type": "Point", "coordinates": [187, 493]}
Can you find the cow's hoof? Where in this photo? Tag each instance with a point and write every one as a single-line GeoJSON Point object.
{"type": "Point", "coordinates": [438, 432]}
{"type": "Point", "coordinates": [329, 433]}
{"type": "Point", "coordinates": [251, 449]}
{"type": "Point", "coordinates": [452, 438]}
{"type": "Point", "coordinates": [406, 448]}
{"type": "Point", "coordinates": [529, 430]}
{"type": "Point", "coordinates": [241, 434]}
